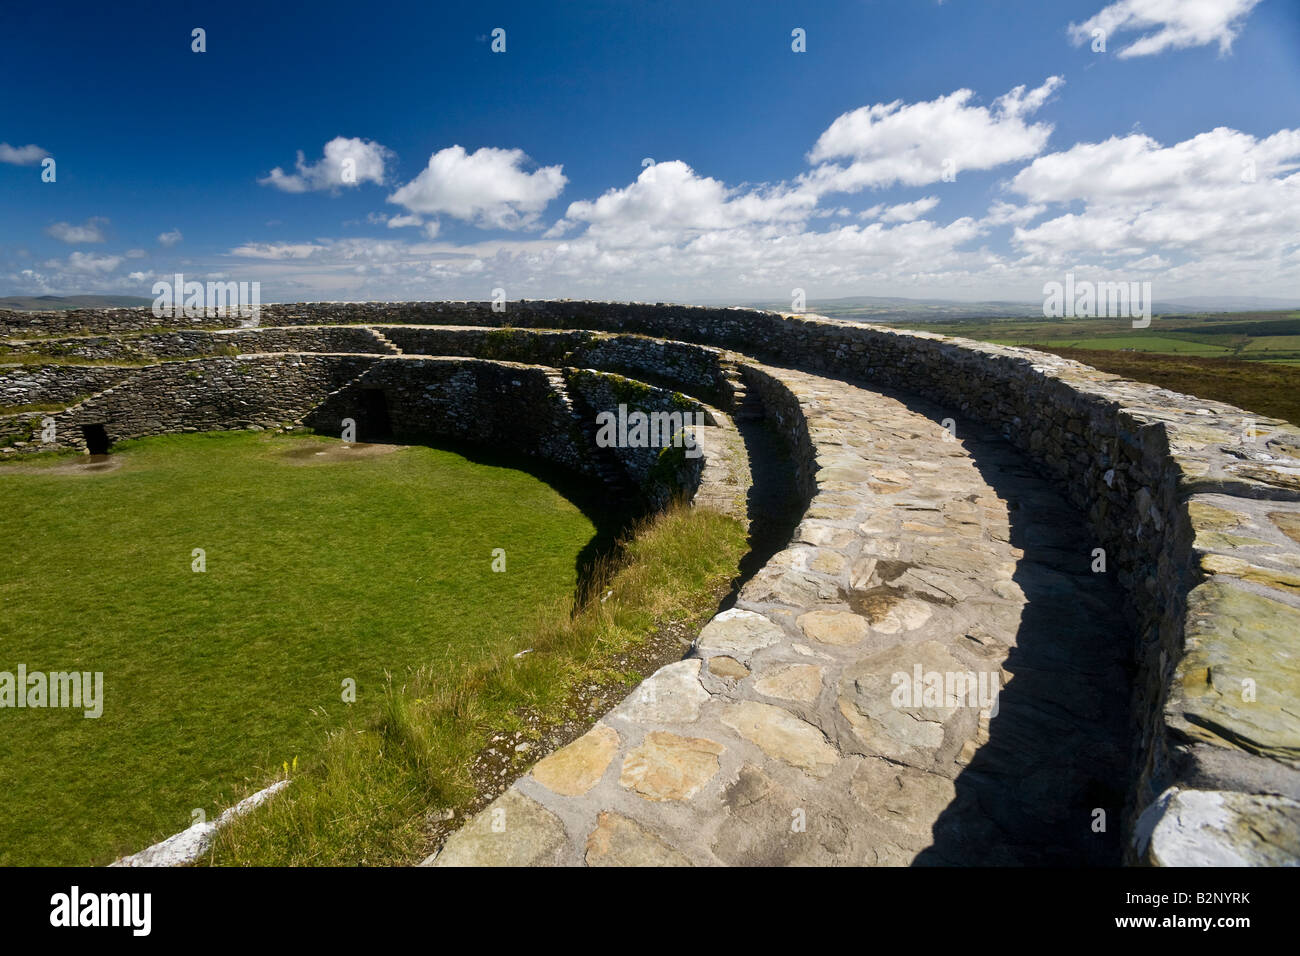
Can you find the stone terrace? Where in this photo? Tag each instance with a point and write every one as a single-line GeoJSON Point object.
{"type": "Point", "coordinates": [1147, 714]}
{"type": "Point", "coordinates": [775, 741]}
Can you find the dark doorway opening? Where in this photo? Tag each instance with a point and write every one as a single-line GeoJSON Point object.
{"type": "Point", "coordinates": [375, 424]}
{"type": "Point", "coordinates": [96, 439]}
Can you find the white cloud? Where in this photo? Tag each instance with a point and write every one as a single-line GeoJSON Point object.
{"type": "Point", "coordinates": [28, 155]}
{"type": "Point", "coordinates": [488, 187]}
{"type": "Point", "coordinates": [1219, 196]}
{"type": "Point", "coordinates": [86, 263]}
{"type": "Point", "coordinates": [1005, 213]}
{"type": "Point", "coordinates": [347, 162]}
{"type": "Point", "coordinates": [92, 230]}
{"type": "Point", "coordinates": [1174, 24]}
{"type": "Point", "coordinates": [913, 144]}
{"type": "Point", "coordinates": [744, 261]}
{"type": "Point", "coordinates": [1137, 168]}
{"type": "Point", "coordinates": [669, 202]}
{"type": "Point", "coordinates": [405, 221]}
{"type": "Point", "coordinates": [277, 250]}
{"type": "Point", "coordinates": [901, 212]}
{"type": "Point", "coordinates": [1206, 215]}
{"type": "Point", "coordinates": [170, 239]}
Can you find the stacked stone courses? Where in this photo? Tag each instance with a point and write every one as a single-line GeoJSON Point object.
{"type": "Point", "coordinates": [939, 477]}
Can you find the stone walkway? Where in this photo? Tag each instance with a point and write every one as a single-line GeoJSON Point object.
{"type": "Point", "coordinates": [930, 673]}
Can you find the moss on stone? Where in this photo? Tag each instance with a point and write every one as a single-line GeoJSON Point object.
{"type": "Point", "coordinates": [504, 342]}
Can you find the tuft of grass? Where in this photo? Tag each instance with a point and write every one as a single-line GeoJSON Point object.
{"type": "Point", "coordinates": [369, 797]}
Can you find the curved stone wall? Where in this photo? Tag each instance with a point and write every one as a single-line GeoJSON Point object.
{"type": "Point", "coordinates": [1196, 504]}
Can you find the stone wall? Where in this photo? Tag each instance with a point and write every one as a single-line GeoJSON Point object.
{"type": "Point", "coordinates": [335, 339]}
{"type": "Point", "coordinates": [20, 324]}
{"type": "Point", "coordinates": [700, 369]}
{"type": "Point", "coordinates": [195, 343]}
{"type": "Point", "coordinates": [658, 468]}
{"type": "Point", "coordinates": [529, 346]}
{"type": "Point", "coordinates": [209, 395]}
{"type": "Point", "coordinates": [50, 384]}
{"type": "Point", "coordinates": [509, 407]}
{"type": "Point", "coordinates": [1195, 504]}
{"type": "Point", "coordinates": [781, 408]}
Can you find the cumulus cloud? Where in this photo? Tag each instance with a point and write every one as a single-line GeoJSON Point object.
{"type": "Point", "coordinates": [915, 144]}
{"type": "Point", "coordinates": [276, 250]}
{"type": "Point", "coordinates": [1006, 213]}
{"type": "Point", "coordinates": [92, 230]}
{"type": "Point", "coordinates": [170, 239]}
{"type": "Point", "coordinates": [901, 212]}
{"type": "Point", "coordinates": [1219, 194]}
{"type": "Point", "coordinates": [488, 187]}
{"type": "Point", "coordinates": [670, 202]}
{"type": "Point", "coordinates": [346, 162]}
{"type": "Point", "coordinates": [1199, 216]}
{"type": "Point", "coordinates": [1172, 24]}
{"type": "Point", "coordinates": [28, 155]}
{"type": "Point", "coordinates": [88, 264]}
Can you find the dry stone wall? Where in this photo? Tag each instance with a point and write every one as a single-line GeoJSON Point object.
{"type": "Point", "coordinates": [51, 384]}
{"type": "Point", "coordinates": [1195, 504]}
{"type": "Point", "coordinates": [502, 405]}
{"type": "Point", "coordinates": [19, 324]}
{"type": "Point", "coordinates": [701, 369]}
{"type": "Point", "coordinates": [208, 395]}
{"type": "Point", "coordinates": [658, 463]}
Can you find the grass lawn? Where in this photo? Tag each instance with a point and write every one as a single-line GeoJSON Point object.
{"type": "Point", "coordinates": [373, 795]}
{"type": "Point", "coordinates": [320, 568]}
{"type": "Point", "coordinates": [1164, 344]}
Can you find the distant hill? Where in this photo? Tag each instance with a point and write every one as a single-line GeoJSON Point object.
{"type": "Point", "coordinates": [1227, 303]}
{"type": "Point", "coordinates": [61, 303]}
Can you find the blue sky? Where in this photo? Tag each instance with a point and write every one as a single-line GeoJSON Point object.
{"type": "Point", "coordinates": [1172, 156]}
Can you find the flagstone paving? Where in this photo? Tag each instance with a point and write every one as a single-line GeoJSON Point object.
{"type": "Point", "coordinates": [930, 672]}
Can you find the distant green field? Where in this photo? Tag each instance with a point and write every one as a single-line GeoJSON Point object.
{"type": "Point", "coordinates": [320, 568]}
{"type": "Point", "coordinates": [1163, 344]}
{"type": "Point", "coordinates": [1274, 343]}
{"type": "Point", "coordinates": [1249, 336]}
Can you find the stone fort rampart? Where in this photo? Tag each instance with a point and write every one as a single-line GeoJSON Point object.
{"type": "Point", "coordinates": [1194, 504]}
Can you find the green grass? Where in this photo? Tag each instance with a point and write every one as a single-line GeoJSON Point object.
{"type": "Point", "coordinates": [1274, 343]}
{"type": "Point", "coordinates": [316, 573]}
{"type": "Point", "coordinates": [1164, 344]}
{"type": "Point", "coordinates": [367, 799]}
{"type": "Point", "coordinates": [1251, 336]}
